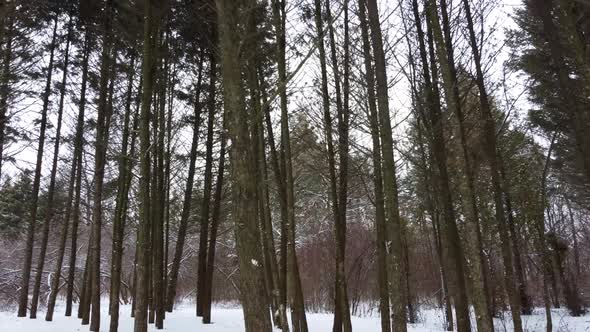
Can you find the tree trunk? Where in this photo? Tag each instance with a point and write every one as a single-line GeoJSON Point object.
{"type": "Point", "coordinates": [77, 169]}
{"type": "Point", "coordinates": [208, 183]}
{"type": "Point", "coordinates": [7, 37]}
{"type": "Point", "coordinates": [26, 272]}
{"type": "Point", "coordinates": [64, 231]}
{"type": "Point", "coordinates": [159, 197]}
{"type": "Point", "coordinates": [280, 181]}
{"type": "Point", "coordinates": [51, 190]}
{"type": "Point", "coordinates": [445, 53]}
{"type": "Point", "coordinates": [215, 219]}
{"type": "Point", "coordinates": [231, 16]}
{"type": "Point", "coordinates": [84, 305]}
{"type": "Point", "coordinates": [105, 111]}
{"type": "Point", "coordinates": [342, 314]}
{"type": "Point", "coordinates": [188, 195]}
{"type": "Point", "coordinates": [380, 222]}
{"type": "Point", "coordinates": [492, 154]}
{"type": "Point", "coordinates": [399, 298]}
{"type": "Point", "coordinates": [268, 247]}
{"type": "Point", "coordinates": [144, 181]}
{"type": "Point", "coordinates": [124, 183]}
{"type": "Point", "coordinates": [298, 317]}
{"type": "Point", "coordinates": [545, 265]}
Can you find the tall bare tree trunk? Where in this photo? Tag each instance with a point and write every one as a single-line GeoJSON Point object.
{"type": "Point", "coordinates": [64, 231]}
{"type": "Point", "coordinates": [7, 37]}
{"type": "Point", "coordinates": [492, 154]}
{"type": "Point", "coordinates": [86, 292]}
{"type": "Point", "coordinates": [280, 180]}
{"type": "Point", "coordinates": [208, 183]}
{"type": "Point", "coordinates": [232, 17]}
{"type": "Point", "coordinates": [380, 226]}
{"type": "Point", "coordinates": [396, 226]}
{"type": "Point", "coordinates": [159, 195]}
{"type": "Point", "coordinates": [124, 183]}
{"type": "Point", "coordinates": [545, 258]}
{"type": "Point", "coordinates": [342, 314]}
{"type": "Point", "coordinates": [188, 194]}
{"type": "Point", "coordinates": [26, 272]}
{"type": "Point", "coordinates": [298, 317]}
{"type": "Point", "coordinates": [457, 259]}
{"type": "Point", "coordinates": [77, 170]}
{"type": "Point", "coordinates": [215, 220]}
{"type": "Point", "coordinates": [143, 236]}
{"type": "Point", "coordinates": [105, 110]}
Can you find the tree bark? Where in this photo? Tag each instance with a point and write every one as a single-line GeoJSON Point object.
{"type": "Point", "coordinates": [77, 169]}
{"type": "Point", "coordinates": [396, 226]}
{"type": "Point", "coordinates": [492, 154]}
{"type": "Point", "coordinates": [26, 272]}
{"type": "Point", "coordinates": [7, 37]}
{"type": "Point", "coordinates": [445, 53]}
{"type": "Point", "coordinates": [105, 110]}
{"type": "Point", "coordinates": [231, 17]}
{"type": "Point", "coordinates": [143, 236]}
{"type": "Point", "coordinates": [342, 310]}
{"type": "Point", "coordinates": [208, 183]}
{"type": "Point", "coordinates": [124, 183]}
{"type": "Point", "coordinates": [380, 222]}
{"type": "Point", "coordinates": [188, 195]}
{"type": "Point", "coordinates": [215, 220]}
{"type": "Point", "coordinates": [298, 317]}
{"type": "Point", "coordinates": [64, 231]}
{"type": "Point", "coordinates": [280, 181]}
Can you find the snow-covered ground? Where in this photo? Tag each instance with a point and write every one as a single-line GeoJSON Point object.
{"type": "Point", "coordinates": [231, 320]}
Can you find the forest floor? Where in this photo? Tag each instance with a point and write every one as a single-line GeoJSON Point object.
{"type": "Point", "coordinates": [231, 320]}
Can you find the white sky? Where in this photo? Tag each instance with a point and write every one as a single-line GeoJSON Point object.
{"type": "Point", "coordinates": [302, 85]}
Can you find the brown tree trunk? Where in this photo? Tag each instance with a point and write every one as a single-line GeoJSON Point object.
{"type": "Point", "coordinates": [26, 272]}
{"type": "Point", "coordinates": [208, 183]}
{"type": "Point", "coordinates": [215, 220]}
{"type": "Point", "coordinates": [232, 17]}
{"type": "Point", "coordinates": [64, 231]}
{"type": "Point", "coordinates": [143, 236]}
{"type": "Point", "coordinates": [188, 195]}
{"type": "Point", "coordinates": [545, 258]}
{"type": "Point", "coordinates": [492, 154]}
{"type": "Point", "coordinates": [395, 224]}
{"type": "Point", "coordinates": [159, 195]}
{"type": "Point", "coordinates": [380, 226]}
{"type": "Point", "coordinates": [77, 169]}
{"type": "Point", "coordinates": [105, 111]}
{"type": "Point", "coordinates": [86, 292]}
{"type": "Point", "coordinates": [280, 181]}
{"type": "Point", "coordinates": [341, 312]}
{"type": "Point", "coordinates": [457, 259]}
{"type": "Point", "coordinates": [439, 236]}
{"type": "Point", "coordinates": [124, 183]}
{"type": "Point", "coordinates": [50, 190]}
{"type": "Point", "coordinates": [298, 317]}
{"type": "Point", "coordinates": [7, 37]}
{"type": "Point", "coordinates": [342, 316]}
